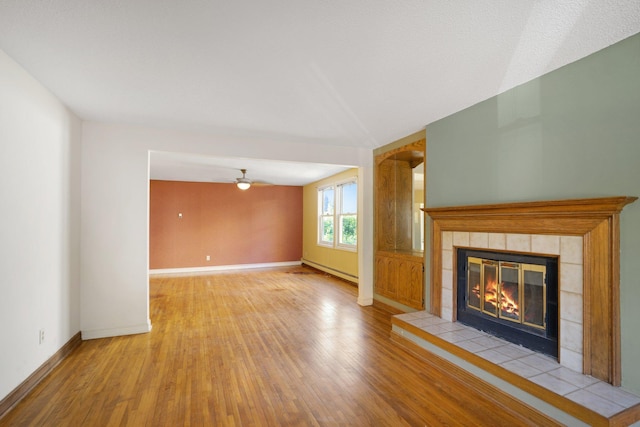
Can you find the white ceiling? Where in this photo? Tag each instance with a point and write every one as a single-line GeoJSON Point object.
{"type": "Point", "coordinates": [195, 168]}
{"type": "Point", "coordinates": [357, 73]}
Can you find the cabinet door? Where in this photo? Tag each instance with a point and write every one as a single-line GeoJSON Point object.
{"type": "Point", "coordinates": [411, 283]}
{"type": "Point", "coordinates": [386, 277]}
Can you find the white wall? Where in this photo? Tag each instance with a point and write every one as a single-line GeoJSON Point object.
{"type": "Point", "coordinates": [115, 197]}
{"type": "Point", "coordinates": [39, 224]}
{"type": "Point", "coordinates": [58, 236]}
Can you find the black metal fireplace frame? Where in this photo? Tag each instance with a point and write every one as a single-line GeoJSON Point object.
{"type": "Point", "coordinates": [544, 341]}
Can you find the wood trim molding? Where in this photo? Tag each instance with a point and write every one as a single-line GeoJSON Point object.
{"type": "Point", "coordinates": [38, 375]}
{"type": "Point", "coordinates": [418, 146]}
{"type": "Point", "coordinates": [596, 220]}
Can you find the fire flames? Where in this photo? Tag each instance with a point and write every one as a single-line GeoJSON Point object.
{"type": "Point", "coordinates": [507, 305]}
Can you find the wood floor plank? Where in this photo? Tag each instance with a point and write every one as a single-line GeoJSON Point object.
{"type": "Point", "coordinates": [287, 346]}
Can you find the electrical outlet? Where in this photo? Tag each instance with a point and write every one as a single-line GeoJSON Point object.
{"type": "Point", "coordinates": [208, 257]}
{"type": "Point", "coordinates": [41, 336]}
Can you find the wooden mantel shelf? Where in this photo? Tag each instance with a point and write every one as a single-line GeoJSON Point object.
{"type": "Point", "coordinates": [596, 220]}
{"type": "Point", "coordinates": [553, 208]}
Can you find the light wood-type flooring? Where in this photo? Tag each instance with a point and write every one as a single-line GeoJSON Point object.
{"type": "Point", "coordinates": [272, 347]}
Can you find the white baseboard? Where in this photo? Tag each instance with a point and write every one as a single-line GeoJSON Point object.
{"type": "Point", "coordinates": [365, 301]}
{"type": "Point", "coordinates": [190, 270]}
{"type": "Point", "coordinates": [115, 332]}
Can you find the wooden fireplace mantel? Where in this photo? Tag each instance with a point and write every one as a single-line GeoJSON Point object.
{"type": "Point", "coordinates": [596, 220]}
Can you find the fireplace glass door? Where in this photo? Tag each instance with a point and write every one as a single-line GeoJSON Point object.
{"type": "Point", "coordinates": [510, 291]}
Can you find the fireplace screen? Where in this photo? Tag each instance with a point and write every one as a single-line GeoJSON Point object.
{"type": "Point", "coordinates": [510, 291]}
{"type": "Point", "coordinates": [511, 295]}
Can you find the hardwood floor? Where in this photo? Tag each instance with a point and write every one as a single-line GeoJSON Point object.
{"type": "Point", "coordinates": [285, 346]}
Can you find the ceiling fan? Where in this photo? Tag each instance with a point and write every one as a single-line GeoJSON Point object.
{"type": "Point", "coordinates": [244, 183]}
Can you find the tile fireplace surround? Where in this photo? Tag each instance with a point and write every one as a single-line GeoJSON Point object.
{"type": "Point", "coordinates": [569, 250]}
{"type": "Point", "coordinates": [584, 235]}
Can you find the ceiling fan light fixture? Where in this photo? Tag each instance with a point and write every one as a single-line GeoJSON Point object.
{"type": "Point", "coordinates": [243, 184]}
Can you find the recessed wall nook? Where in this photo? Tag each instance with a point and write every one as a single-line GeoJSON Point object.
{"type": "Point", "coordinates": [399, 230]}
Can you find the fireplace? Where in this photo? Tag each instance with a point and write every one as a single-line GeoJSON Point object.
{"type": "Point", "coordinates": [584, 233]}
{"type": "Point", "coordinates": [510, 295]}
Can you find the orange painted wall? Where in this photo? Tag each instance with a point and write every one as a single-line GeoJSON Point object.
{"type": "Point", "coordinates": [259, 225]}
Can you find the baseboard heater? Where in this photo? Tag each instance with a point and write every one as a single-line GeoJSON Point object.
{"type": "Point", "coordinates": [332, 271]}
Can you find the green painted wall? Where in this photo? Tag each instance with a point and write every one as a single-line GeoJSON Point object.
{"type": "Point", "coordinates": [572, 133]}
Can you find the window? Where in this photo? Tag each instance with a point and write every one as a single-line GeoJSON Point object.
{"type": "Point", "coordinates": [347, 214]}
{"type": "Point", "coordinates": [338, 205]}
{"type": "Point", "coordinates": [327, 203]}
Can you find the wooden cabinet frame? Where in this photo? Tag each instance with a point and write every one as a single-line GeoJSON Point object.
{"type": "Point", "coordinates": [399, 270]}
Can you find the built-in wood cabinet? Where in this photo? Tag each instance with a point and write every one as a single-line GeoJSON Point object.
{"type": "Point", "coordinates": [399, 258]}
{"type": "Point", "coordinates": [400, 277]}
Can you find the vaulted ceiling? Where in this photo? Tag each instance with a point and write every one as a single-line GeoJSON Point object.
{"type": "Point", "coordinates": [357, 73]}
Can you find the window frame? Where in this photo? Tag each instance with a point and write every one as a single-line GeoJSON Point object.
{"type": "Point", "coordinates": [322, 215]}
{"type": "Point", "coordinates": [338, 215]}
